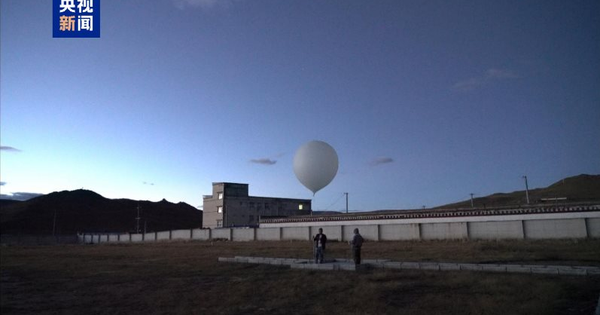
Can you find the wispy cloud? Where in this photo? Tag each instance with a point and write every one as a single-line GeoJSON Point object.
{"type": "Point", "coordinates": [148, 183]}
{"type": "Point", "coordinates": [490, 75]}
{"type": "Point", "coordinates": [9, 149]}
{"type": "Point", "coordinates": [2, 183]}
{"type": "Point", "coordinates": [500, 74]}
{"type": "Point", "coordinates": [264, 161]}
{"type": "Point", "coordinates": [381, 160]}
{"type": "Point", "coordinates": [21, 196]}
{"type": "Point", "coordinates": [468, 85]}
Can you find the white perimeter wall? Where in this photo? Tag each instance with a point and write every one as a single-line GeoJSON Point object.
{"type": "Point", "coordinates": [333, 233]}
{"type": "Point", "coordinates": [163, 236]}
{"type": "Point", "coordinates": [368, 232]}
{"type": "Point", "coordinates": [399, 232]}
{"type": "Point", "coordinates": [496, 230]}
{"type": "Point", "coordinates": [295, 233]}
{"type": "Point", "coordinates": [573, 228]}
{"type": "Point", "coordinates": [243, 235]}
{"type": "Point", "coordinates": [180, 235]}
{"type": "Point", "coordinates": [202, 235]}
{"type": "Point", "coordinates": [539, 228]}
{"type": "Point", "coordinates": [268, 234]}
{"type": "Point", "coordinates": [444, 231]}
{"type": "Point", "coordinates": [593, 227]}
{"type": "Point", "coordinates": [150, 236]}
{"type": "Point", "coordinates": [221, 234]}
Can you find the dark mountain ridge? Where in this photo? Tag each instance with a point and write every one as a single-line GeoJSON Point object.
{"type": "Point", "coordinates": [68, 212]}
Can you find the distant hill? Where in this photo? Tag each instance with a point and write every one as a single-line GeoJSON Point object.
{"type": "Point", "coordinates": [575, 189]}
{"type": "Point", "coordinates": [86, 211]}
{"type": "Point", "coordinates": [6, 202]}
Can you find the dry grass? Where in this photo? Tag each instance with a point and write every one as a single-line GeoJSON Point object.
{"type": "Point", "coordinates": [185, 278]}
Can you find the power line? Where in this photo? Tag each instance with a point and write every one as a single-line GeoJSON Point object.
{"type": "Point", "coordinates": [338, 199]}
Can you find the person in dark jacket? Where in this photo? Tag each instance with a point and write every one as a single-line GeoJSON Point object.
{"type": "Point", "coordinates": [320, 241]}
{"type": "Point", "coordinates": [356, 244]}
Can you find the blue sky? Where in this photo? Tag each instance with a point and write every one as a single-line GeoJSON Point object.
{"type": "Point", "coordinates": [424, 101]}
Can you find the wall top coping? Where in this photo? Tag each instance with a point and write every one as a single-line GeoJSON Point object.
{"type": "Point", "coordinates": [440, 213]}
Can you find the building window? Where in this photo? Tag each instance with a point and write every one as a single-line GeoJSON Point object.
{"type": "Point", "coordinates": [219, 209]}
{"type": "Point", "coordinates": [220, 195]}
{"type": "Point", "coordinates": [219, 223]}
{"type": "Point", "coordinates": [300, 206]}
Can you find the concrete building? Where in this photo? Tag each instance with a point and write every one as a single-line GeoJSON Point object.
{"type": "Point", "coordinates": [230, 206]}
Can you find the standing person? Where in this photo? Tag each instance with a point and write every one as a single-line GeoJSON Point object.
{"type": "Point", "coordinates": [320, 241]}
{"type": "Point", "coordinates": [356, 244]}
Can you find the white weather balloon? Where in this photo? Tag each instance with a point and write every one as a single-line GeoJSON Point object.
{"type": "Point", "coordinates": [315, 165]}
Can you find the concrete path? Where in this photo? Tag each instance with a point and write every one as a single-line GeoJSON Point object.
{"type": "Point", "coordinates": [346, 264]}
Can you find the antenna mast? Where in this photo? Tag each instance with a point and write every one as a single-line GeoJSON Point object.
{"type": "Point", "coordinates": [346, 201]}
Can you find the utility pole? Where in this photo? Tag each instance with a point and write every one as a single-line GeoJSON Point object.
{"type": "Point", "coordinates": [346, 201]}
{"type": "Point", "coordinates": [472, 205]}
{"type": "Point", "coordinates": [137, 220]}
{"type": "Point", "coordinates": [526, 188]}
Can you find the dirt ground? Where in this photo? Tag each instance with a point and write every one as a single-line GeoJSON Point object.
{"type": "Point", "coordinates": [186, 278]}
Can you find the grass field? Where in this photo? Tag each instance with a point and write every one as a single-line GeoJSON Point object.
{"type": "Point", "coordinates": [185, 278]}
